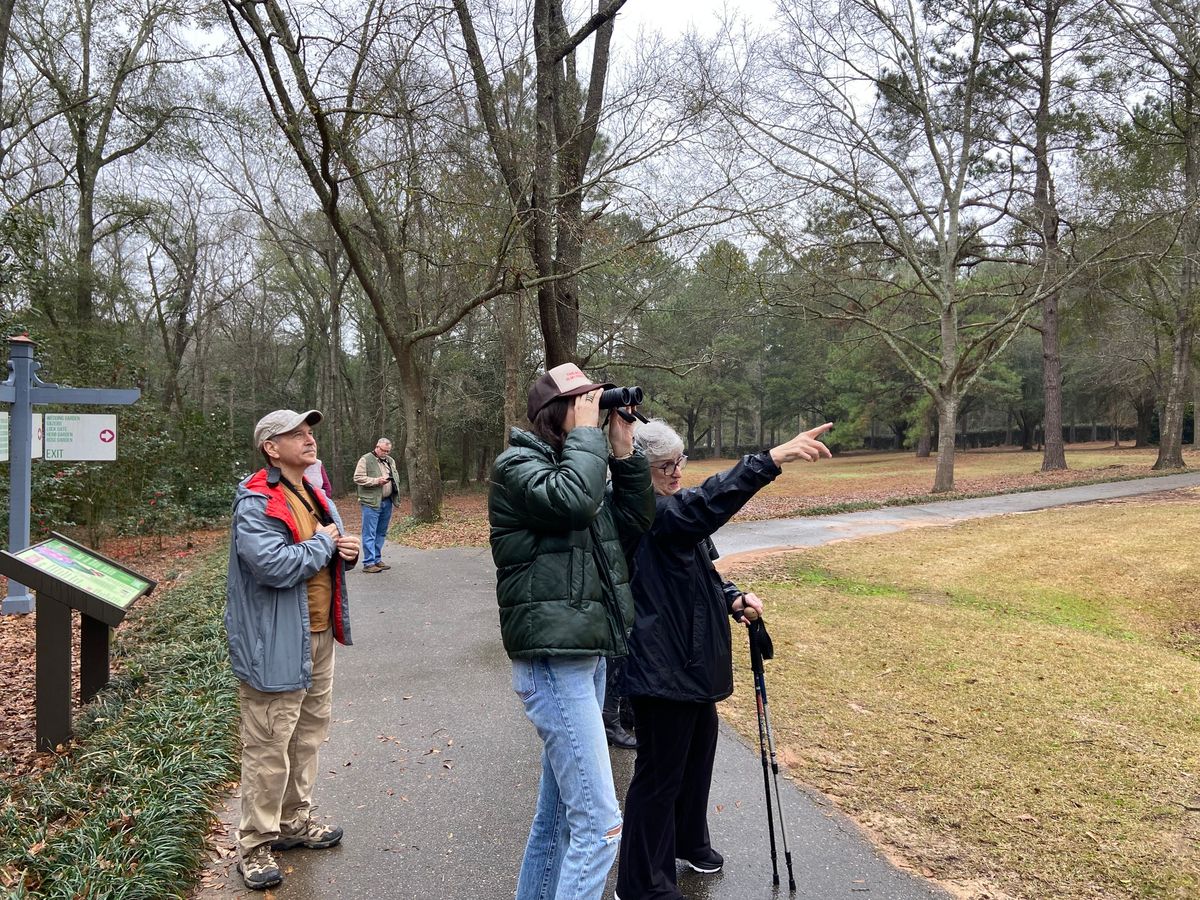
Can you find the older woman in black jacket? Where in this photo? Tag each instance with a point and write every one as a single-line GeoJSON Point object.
{"type": "Point", "coordinates": [680, 662]}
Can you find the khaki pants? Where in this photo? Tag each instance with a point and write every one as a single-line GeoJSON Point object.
{"type": "Point", "coordinates": [281, 736]}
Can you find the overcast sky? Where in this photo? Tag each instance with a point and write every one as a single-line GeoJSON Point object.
{"type": "Point", "coordinates": [673, 17]}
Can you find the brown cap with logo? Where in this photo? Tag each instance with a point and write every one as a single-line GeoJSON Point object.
{"type": "Point", "coordinates": [566, 380]}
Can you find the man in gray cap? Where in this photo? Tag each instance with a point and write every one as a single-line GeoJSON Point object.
{"type": "Point", "coordinates": [285, 606]}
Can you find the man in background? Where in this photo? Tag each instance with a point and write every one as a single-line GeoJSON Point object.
{"type": "Point", "coordinates": [377, 481]}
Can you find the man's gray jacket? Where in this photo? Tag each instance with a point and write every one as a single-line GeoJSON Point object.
{"type": "Point", "coordinates": [266, 604]}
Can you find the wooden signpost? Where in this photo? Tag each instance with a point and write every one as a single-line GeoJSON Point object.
{"type": "Point", "coordinates": [21, 392]}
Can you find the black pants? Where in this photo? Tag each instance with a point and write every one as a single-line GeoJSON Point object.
{"type": "Point", "coordinates": [666, 809]}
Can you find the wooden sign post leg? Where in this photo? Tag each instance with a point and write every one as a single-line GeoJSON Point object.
{"type": "Point", "coordinates": [53, 679]}
{"type": "Point", "coordinates": [93, 657]}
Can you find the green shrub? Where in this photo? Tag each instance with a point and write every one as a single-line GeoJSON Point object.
{"type": "Point", "coordinates": [124, 813]}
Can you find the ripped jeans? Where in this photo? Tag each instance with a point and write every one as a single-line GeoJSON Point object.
{"type": "Point", "coordinates": [577, 827]}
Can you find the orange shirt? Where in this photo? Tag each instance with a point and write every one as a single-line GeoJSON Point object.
{"type": "Point", "coordinates": [320, 586]}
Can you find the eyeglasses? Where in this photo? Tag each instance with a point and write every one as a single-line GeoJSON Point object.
{"type": "Point", "coordinates": [671, 465]}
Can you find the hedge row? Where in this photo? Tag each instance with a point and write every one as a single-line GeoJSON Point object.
{"type": "Point", "coordinates": [124, 813]}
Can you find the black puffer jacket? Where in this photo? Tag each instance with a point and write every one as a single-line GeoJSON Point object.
{"type": "Point", "coordinates": [679, 649]}
{"type": "Point", "coordinates": [551, 518]}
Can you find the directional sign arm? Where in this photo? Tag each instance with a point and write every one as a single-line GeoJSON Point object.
{"type": "Point", "coordinates": [84, 396]}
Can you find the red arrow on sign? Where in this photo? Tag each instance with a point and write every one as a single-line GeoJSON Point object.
{"type": "Point", "coordinates": [108, 435]}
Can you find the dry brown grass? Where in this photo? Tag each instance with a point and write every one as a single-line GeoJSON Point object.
{"type": "Point", "coordinates": [856, 478]}
{"type": "Point", "coordinates": [1011, 704]}
{"type": "Point", "coordinates": [886, 477]}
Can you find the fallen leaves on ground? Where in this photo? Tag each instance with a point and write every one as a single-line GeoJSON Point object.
{"type": "Point", "coordinates": [867, 479]}
{"type": "Point", "coordinates": [162, 559]}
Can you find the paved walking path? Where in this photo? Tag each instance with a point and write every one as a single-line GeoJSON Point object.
{"type": "Point", "coordinates": [432, 768]}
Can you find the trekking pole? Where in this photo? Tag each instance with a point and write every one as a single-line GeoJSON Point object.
{"type": "Point", "coordinates": [757, 631]}
{"type": "Point", "coordinates": [760, 700]}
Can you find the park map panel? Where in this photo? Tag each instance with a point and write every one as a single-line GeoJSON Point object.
{"type": "Point", "coordinates": [81, 569]}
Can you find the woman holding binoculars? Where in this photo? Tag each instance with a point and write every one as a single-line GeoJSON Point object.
{"type": "Point", "coordinates": [558, 538]}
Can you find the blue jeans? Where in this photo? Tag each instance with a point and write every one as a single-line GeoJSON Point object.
{"type": "Point", "coordinates": [374, 530]}
{"type": "Point", "coordinates": [577, 827]}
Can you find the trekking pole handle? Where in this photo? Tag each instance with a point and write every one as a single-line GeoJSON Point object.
{"type": "Point", "coordinates": [756, 657]}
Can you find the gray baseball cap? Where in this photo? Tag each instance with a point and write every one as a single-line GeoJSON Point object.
{"type": "Point", "coordinates": [282, 421]}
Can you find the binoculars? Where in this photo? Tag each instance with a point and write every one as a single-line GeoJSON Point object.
{"type": "Point", "coordinates": [619, 397]}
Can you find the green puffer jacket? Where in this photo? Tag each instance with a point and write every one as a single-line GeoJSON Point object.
{"type": "Point", "coordinates": [543, 510]}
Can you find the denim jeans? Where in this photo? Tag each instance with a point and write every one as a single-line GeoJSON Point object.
{"type": "Point", "coordinates": [374, 530]}
{"type": "Point", "coordinates": [577, 827]}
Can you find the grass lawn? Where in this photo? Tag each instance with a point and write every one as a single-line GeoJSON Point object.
{"type": "Point", "coordinates": [851, 481]}
{"type": "Point", "coordinates": [883, 478]}
{"type": "Point", "coordinates": [1012, 704]}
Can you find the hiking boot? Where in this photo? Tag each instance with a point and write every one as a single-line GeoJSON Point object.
{"type": "Point", "coordinates": [259, 869]}
{"type": "Point", "coordinates": [374, 567]}
{"type": "Point", "coordinates": [383, 565]}
{"type": "Point", "coordinates": [619, 737]}
{"type": "Point", "coordinates": [627, 720]}
{"type": "Point", "coordinates": [309, 833]}
{"type": "Point", "coordinates": [706, 862]}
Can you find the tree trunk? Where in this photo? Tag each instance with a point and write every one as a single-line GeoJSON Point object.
{"type": "Point", "coordinates": [718, 434]}
{"type": "Point", "coordinates": [512, 340]}
{"type": "Point", "coordinates": [1170, 438]}
{"type": "Point", "coordinates": [333, 365]}
{"type": "Point", "coordinates": [465, 447]}
{"type": "Point", "coordinates": [1025, 423]}
{"type": "Point", "coordinates": [1195, 410]}
{"type": "Point", "coordinates": [1054, 456]}
{"type": "Point", "coordinates": [420, 452]}
{"type": "Point", "coordinates": [549, 205]}
{"type": "Point", "coordinates": [943, 479]}
{"type": "Point", "coordinates": [85, 237]}
{"type": "Point", "coordinates": [925, 439]}
{"type": "Point", "coordinates": [1145, 418]}
{"type": "Point", "coordinates": [6, 11]}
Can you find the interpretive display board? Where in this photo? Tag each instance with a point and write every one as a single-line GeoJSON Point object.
{"type": "Point", "coordinates": [68, 576]}
{"type": "Point", "coordinates": [89, 574]}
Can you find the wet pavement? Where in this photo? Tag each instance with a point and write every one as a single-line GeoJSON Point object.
{"type": "Point", "coordinates": [432, 769]}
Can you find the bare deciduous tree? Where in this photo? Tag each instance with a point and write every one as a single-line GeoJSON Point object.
{"type": "Point", "coordinates": [113, 72]}
{"type": "Point", "coordinates": [549, 205]}
{"type": "Point", "coordinates": [887, 128]}
{"type": "Point", "coordinates": [374, 123]}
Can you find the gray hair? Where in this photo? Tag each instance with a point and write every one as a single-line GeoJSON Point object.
{"type": "Point", "coordinates": [657, 440]}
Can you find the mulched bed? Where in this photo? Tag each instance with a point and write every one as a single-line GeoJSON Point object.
{"type": "Point", "coordinates": [163, 559]}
